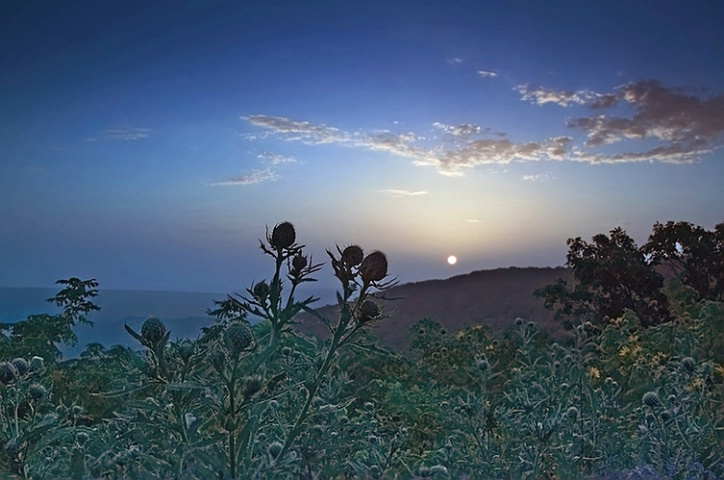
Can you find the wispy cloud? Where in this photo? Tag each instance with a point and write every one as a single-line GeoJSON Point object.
{"type": "Point", "coordinates": [275, 159]}
{"type": "Point", "coordinates": [402, 192]}
{"type": "Point", "coordinates": [684, 127]}
{"type": "Point", "coordinates": [122, 134]}
{"type": "Point", "coordinates": [487, 74]}
{"type": "Point", "coordinates": [540, 177]}
{"type": "Point", "coordinates": [462, 130]}
{"type": "Point", "coordinates": [252, 178]}
{"type": "Point", "coordinates": [565, 98]}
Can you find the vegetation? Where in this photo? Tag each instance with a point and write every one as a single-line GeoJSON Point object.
{"type": "Point", "coordinates": [634, 391]}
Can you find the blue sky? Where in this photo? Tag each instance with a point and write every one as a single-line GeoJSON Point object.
{"type": "Point", "coordinates": [148, 144]}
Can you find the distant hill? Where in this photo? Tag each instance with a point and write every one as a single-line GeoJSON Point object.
{"type": "Point", "coordinates": [490, 297]}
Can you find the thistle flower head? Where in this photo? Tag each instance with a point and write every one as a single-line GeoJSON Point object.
{"type": "Point", "coordinates": [252, 385]}
{"type": "Point", "coordinates": [689, 364]}
{"type": "Point", "coordinates": [37, 364]}
{"type": "Point", "coordinates": [438, 470]}
{"type": "Point", "coordinates": [299, 262]}
{"type": "Point", "coordinates": [519, 322]}
{"type": "Point", "coordinates": [153, 330]}
{"type": "Point", "coordinates": [651, 399]}
{"type": "Point", "coordinates": [82, 438]}
{"type": "Point", "coordinates": [261, 291]}
{"type": "Point", "coordinates": [8, 372]}
{"type": "Point", "coordinates": [352, 255]}
{"type": "Point", "coordinates": [274, 449]}
{"type": "Point", "coordinates": [373, 267]}
{"type": "Point", "coordinates": [368, 311]}
{"type": "Point", "coordinates": [37, 392]}
{"type": "Point", "coordinates": [572, 413]}
{"type": "Point", "coordinates": [283, 236]}
{"type": "Point", "coordinates": [238, 337]}
{"type": "Point", "coordinates": [21, 365]}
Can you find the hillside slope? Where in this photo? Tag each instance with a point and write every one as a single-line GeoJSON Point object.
{"type": "Point", "coordinates": [490, 297]}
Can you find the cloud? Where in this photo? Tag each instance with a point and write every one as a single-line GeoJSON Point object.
{"type": "Point", "coordinates": [541, 177]}
{"type": "Point", "coordinates": [275, 159]}
{"type": "Point", "coordinates": [401, 192]}
{"type": "Point", "coordinates": [122, 134]}
{"type": "Point", "coordinates": [487, 74]}
{"type": "Point", "coordinates": [305, 132]}
{"type": "Point", "coordinates": [565, 98]}
{"type": "Point", "coordinates": [462, 130]}
{"type": "Point", "coordinates": [252, 178]}
{"type": "Point", "coordinates": [674, 127]}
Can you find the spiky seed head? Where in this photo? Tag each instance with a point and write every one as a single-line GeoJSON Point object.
{"type": "Point", "coordinates": [424, 472]}
{"type": "Point", "coordinates": [37, 364]}
{"type": "Point", "coordinates": [37, 392]}
{"type": "Point", "coordinates": [238, 337]}
{"type": "Point", "coordinates": [352, 255]}
{"type": "Point", "coordinates": [274, 449]}
{"type": "Point", "coordinates": [261, 290]}
{"type": "Point", "coordinates": [283, 236]}
{"type": "Point", "coordinates": [368, 311]}
{"type": "Point", "coordinates": [373, 267]}
{"type": "Point", "coordinates": [688, 363]}
{"type": "Point", "coordinates": [651, 399]}
{"type": "Point", "coordinates": [217, 358]}
{"type": "Point", "coordinates": [8, 372]}
{"type": "Point", "coordinates": [299, 262]}
{"type": "Point", "coordinates": [519, 322]}
{"type": "Point", "coordinates": [21, 365]}
{"type": "Point", "coordinates": [153, 330]}
{"type": "Point", "coordinates": [572, 413]}
{"type": "Point", "coordinates": [186, 350]}
{"type": "Point", "coordinates": [286, 351]}
{"type": "Point", "coordinates": [483, 365]}
{"type": "Point", "coordinates": [438, 470]}
{"type": "Point", "coordinates": [252, 385]}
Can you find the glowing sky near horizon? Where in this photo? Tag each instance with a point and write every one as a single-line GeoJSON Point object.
{"type": "Point", "coordinates": [148, 144]}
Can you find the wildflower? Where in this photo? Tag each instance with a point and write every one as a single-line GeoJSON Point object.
{"type": "Point", "coordinates": [283, 236]}
{"type": "Point", "coordinates": [37, 364]}
{"type": "Point", "coordinates": [373, 267]}
{"type": "Point", "coordinates": [261, 291]}
{"type": "Point", "coordinates": [238, 337]}
{"type": "Point", "coordinates": [21, 365]}
{"type": "Point", "coordinates": [82, 438]}
{"type": "Point", "coordinates": [651, 399]}
{"type": "Point", "coordinates": [8, 372]}
{"type": "Point", "coordinates": [594, 372]}
{"type": "Point", "coordinates": [368, 311]}
{"type": "Point", "coordinates": [274, 449]}
{"type": "Point", "coordinates": [153, 330]}
{"type": "Point", "coordinates": [689, 364]}
{"type": "Point", "coordinates": [438, 470]}
{"type": "Point", "coordinates": [299, 262]}
{"type": "Point", "coordinates": [37, 392]}
{"type": "Point", "coordinates": [572, 413]}
{"type": "Point", "coordinates": [352, 255]}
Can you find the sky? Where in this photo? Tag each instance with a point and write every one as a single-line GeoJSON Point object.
{"type": "Point", "coordinates": [150, 144]}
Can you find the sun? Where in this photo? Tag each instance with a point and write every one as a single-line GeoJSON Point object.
{"type": "Point", "coordinates": [452, 259]}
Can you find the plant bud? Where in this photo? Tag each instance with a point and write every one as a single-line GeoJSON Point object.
{"type": "Point", "coordinates": [21, 365]}
{"type": "Point", "coordinates": [368, 311]}
{"type": "Point", "coordinates": [283, 236]}
{"type": "Point", "coordinates": [261, 290]}
{"type": "Point", "coordinates": [274, 449]}
{"type": "Point", "coordinates": [37, 392]}
{"type": "Point", "coordinates": [352, 255]}
{"type": "Point", "coordinates": [238, 337]}
{"type": "Point", "coordinates": [299, 262]}
{"type": "Point", "coordinates": [153, 330]}
{"type": "Point", "coordinates": [374, 267]}
{"type": "Point", "coordinates": [8, 372]}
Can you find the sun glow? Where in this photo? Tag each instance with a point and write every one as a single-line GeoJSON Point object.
{"type": "Point", "coordinates": [452, 259]}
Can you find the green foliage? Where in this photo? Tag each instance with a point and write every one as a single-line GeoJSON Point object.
{"type": "Point", "coordinates": [244, 401]}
